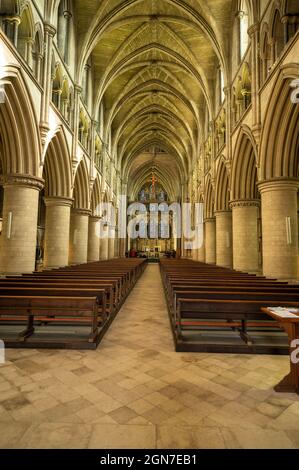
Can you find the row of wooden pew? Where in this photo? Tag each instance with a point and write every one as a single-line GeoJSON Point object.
{"type": "Point", "coordinates": [70, 307]}
{"type": "Point", "coordinates": [215, 309]}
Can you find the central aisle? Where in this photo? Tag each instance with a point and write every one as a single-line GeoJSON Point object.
{"type": "Point", "coordinates": [143, 320]}
{"type": "Point", "coordinates": [136, 392]}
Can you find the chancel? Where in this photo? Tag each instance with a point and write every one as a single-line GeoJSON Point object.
{"type": "Point", "coordinates": [149, 176]}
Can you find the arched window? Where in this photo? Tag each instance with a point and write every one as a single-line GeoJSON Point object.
{"type": "Point", "coordinates": [65, 99]}
{"type": "Point", "coordinates": [9, 14]}
{"type": "Point", "coordinates": [57, 86]}
{"type": "Point", "coordinates": [86, 82]}
{"type": "Point", "coordinates": [244, 25]}
{"type": "Point", "coordinates": [278, 35]}
{"type": "Point", "coordinates": [63, 29]}
{"type": "Point", "coordinates": [291, 19]}
{"type": "Point", "coordinates": [25, 37]}
{"type": "Point", "coordinates": [266, 56]}
{"type": "Point", "coordinates": [37, 54]}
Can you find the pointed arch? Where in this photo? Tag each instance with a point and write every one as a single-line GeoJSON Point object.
{"type": "Point", "coordinates": [25, 31]}
{"type": "Point", "coordinates": [57, 167]}
{"type": "Point", "coordinates": [222, 188]}
{"type": "Point", "coordinates": [244, 167]}
{"type": "Point", "coordinates": [277, 30]}
{"type": "Point", "coordinates": [81, 193]}
{"type": "Point", "coordinates": [19, 126]}
{"type": "Point", "coordinates": [209, 199]}
{"type": "Point", "coordinates": [280, 134]}
{"type": "Point", "coordinates": [38, 51]}
{"type": "Point", "coordinates": [96, 195]}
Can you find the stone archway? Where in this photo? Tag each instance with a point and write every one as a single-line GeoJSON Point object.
{"type": "Point", "coordinates": [57, 202]}
{"type": "Point", "coordinates": [21, 156]}
{"type": "Point", "coordinates": [279, 179]}
{"type": "Point", "coordinates": [245, 205]}
{"type": "Point", "coordinates": [224, 249]}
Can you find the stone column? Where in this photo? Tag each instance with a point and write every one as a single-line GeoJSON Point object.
{"type": "Point", "coordinates": [201, 251]}
{"type": "Point", "coordinates": [104, 244]}
{"type": "Point", "coordinates": [224, 249]}
{"type": "Point", "coordinates": [122, 247]}
{"type": "Point", "coordinates": [38, 61]}
{"type": "Point", "coordinates": [280, 228]}
{"type": "Point", "coordinates": [57, 233]}
{"type": "Point", "coordinates": [245, 235]}
{"type": "Point", "coordinates": [68, 17]}
{"type": "Point", "coordinates": [210, 240]}
{"type": "Point", "coordinates": [79, 236]}
{"type": "Point", "coordinates": [50, 32]}
{"type": "Point", "coordinates": [254, 33]}
{"type": "Point", "coordinates": [19, 229]}
{"type": "Point", "coordinates": [111, 243]}
{"type": "Point", "coordinates": [116, 245]}
{"type": "Point", "coordinates": [28, 52]}
{"type": "Point", "coordinates": [93, 240]}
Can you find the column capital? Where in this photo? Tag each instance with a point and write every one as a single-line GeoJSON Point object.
{"type": "Point", "coordinates": [52, 201]}
{"type": "Point", "coordinates": [253, 29]}
{"type": "Point", "coordinates": [223, 212]}
{"type": "Point", "coordinates": [67, 15]}
{"type": "Point", "coordinates": [94, 218]}
{"type": "Point", "coordinates": [278, 184]}
{"type": "Point", "coordinates": [78, 89]}
{"type": "Point", "coordinates": [85, 212]}
{"type": "Point", "coordinates": [291, 18]}
{"type": "Point", "coordinates": [50, 29]}
{"type": "Point", "coordinates": [27, 181]}
{"type": "Point", "coordinates": [13, 19]}
{"type": "Point", "coordinates": [210, 220]}
{"type": "Point", "coordinates": [245, 203]}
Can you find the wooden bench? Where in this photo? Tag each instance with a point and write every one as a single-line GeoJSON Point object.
{"type": "Point", "coordinates": [107, 282]}
{"type": "Point", "coordinates": [207, 298]}
{"type": "Point", "coordinates": [56, 307]}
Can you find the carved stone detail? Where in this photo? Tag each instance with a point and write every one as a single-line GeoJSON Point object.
{"type": "Point", "coordinates": [245, 203]}
{"type": "Point", "coordinates": [28, 181]}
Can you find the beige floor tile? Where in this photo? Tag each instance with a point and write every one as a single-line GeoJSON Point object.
{"type": "Point", "coordinates": [123, 437]}
{"type": "Point", "coordinates": [262, 439]}
{"type": "Point", "coordinates": [208, 438]}
{"type": "Point", "coordinates": [156, 415]}
{"type": "Point", "coordinates": [56, 436]}
{"type": "Point", "coordinates": [11, 435]}
{"type": "Point", "coordinates": [123, 415]}
{"type": "Point", "coordinates": [135, 384]}
{"type": "Point", "coordinates": [175, 437]}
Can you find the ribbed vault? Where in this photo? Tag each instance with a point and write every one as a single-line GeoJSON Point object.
{"type": "Point", "coordinates": [154, 63]}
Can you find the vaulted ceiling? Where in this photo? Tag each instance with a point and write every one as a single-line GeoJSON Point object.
{"type": "Point", "coordinates": [155, 64]}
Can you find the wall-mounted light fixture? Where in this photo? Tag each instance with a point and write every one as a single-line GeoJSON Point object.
{"type": "Point", "coordinates": [9, 225]}
{"type": "Point", "coordinates": [289, 230]}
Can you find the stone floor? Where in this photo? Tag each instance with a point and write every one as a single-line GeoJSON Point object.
{"type": "Point", "coordinates": [136, 392]}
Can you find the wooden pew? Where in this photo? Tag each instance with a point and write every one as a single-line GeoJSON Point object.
{"type": "Point", "coordinates": [58, 307]}
{"type": "Point", "coordinates": [112, 293]}
{"type": "Point", "coordinates": [210, 291]}
{"type": "Point", "coordinates": [108, 282]}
